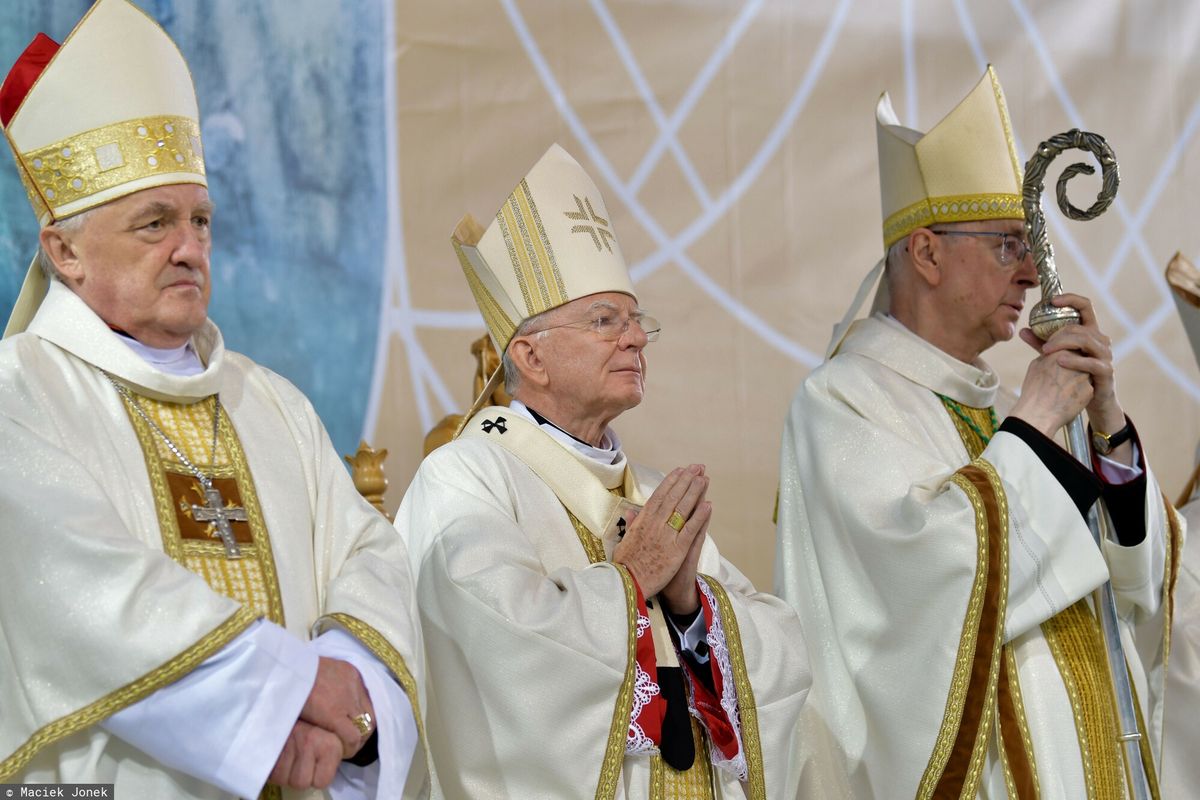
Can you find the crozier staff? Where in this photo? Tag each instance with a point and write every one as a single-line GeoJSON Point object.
{"type": "Point", "coordinates": [933, 531]}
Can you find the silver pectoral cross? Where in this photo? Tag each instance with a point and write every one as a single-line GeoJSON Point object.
{"type": "Point", "coordinates": [215, 511]}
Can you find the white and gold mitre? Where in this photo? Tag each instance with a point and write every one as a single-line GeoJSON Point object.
{"type": "Point", "coordinates": [965, 168]}
{"type": "Point", "coordinates": [112, 113]}
{"type": "Point", "coordinates": [551, 242]}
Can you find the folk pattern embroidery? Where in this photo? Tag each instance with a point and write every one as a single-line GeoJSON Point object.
{"type": "Point", "coordinates": [729, 700]}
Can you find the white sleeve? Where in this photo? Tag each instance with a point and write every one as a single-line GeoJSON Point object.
{"type": "Point", "coordinates": [248, 695]}
{"type": "Point", "coordinates": [397, 730]}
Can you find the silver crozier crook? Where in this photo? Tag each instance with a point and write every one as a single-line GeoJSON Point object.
{"type": "Point", "coordinates": [1045, 319]}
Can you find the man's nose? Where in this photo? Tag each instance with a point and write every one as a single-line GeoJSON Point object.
{"type": "Point", "coordinates": [191, 247]}
{"type": "Point", "coordinates": [633, 335]}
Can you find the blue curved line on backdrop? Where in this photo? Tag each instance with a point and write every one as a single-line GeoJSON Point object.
{"type": "Point", "coordinates": [292, 106]}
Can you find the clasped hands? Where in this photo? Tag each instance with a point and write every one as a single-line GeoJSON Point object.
{"type": "Point", "coordinates": [326, 732]}
{"type": "Point", "coordinates": [1073, 371]}
{"type": "Point", "coordinates": [661, 559]}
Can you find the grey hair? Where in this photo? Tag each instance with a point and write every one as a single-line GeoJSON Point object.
{"type": "Point", "coordinates": [892, 261]}
{"type": "Point", "coordinates": [895, 253]}
{"type": "Point", "coordinates": [71, 224]}
{"type": "Point", "coordinates": [512, 378]}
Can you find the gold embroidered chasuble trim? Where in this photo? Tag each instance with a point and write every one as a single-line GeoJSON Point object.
{"type": "Point", "coordinates": [1013, 741]}
{"type": "Point", "coordinates": [388, 655]}
{"type": "Point", "coordinates": [696, 783]}
{"type": "Point", "coordinates": [598, 507]}
{"type": "Point", "coordinates": [127, 695]}
{"type": "Point", "coordinates": [956, 763]}
{"type": "Point", "coordinates": [1012, 734]}
{"type": "Point", "coordinates": [1074, 640]}
{"type": "Point", "coordinates": [1174, 547]}
{"type": "Point", "coordinates": [665, 783]}
{"type": "Point", "coordinates": [748, 711]}
{"type": "Point", "coordinates": [251, 580]}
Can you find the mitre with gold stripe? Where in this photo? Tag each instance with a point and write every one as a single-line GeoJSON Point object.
{"type": "Point", "coordinates": [110, 112]}
{"type": "Point", "coordinates": [964, 169]}
{"type": "Point", "coordinates": [551, 242]}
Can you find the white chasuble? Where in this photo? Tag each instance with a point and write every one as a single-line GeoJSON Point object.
{"type": "Point", "coordinates": [531, 632]}
{"type": "Point", "coordinates": [102, 606]}
{"type": "Point", "coordinates": [1181, 744]}
{"type": "Point", "coordinates": [944, 588]}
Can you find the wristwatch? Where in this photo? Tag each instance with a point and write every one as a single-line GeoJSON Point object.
{"type": "Point", "coordinates": [1105, 443]}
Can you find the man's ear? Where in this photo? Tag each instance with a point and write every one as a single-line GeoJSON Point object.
{"type": "Point", "coordinates": [926, 255]}
{"type": "Point", "coordinates": [523, 352]}
{"type": "Point", "coordinates": [61, 251]}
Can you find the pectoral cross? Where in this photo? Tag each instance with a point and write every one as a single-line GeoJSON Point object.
{"type": "Point", "coordinates": [215, 511]}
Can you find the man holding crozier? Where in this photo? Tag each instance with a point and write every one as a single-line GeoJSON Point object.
{"type": "Point", "coordinates": [942, 553]}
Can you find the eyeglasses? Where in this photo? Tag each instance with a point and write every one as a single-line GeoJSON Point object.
{"type": "Point", "coordinates": [1013, 248]}
{"type": "Point", "coordinates": [610, 325]}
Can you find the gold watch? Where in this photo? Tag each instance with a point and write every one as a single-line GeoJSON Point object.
{"type": "Point", "coordinates": [1105, 443]}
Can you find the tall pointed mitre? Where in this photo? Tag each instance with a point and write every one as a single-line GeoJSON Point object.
{"type": "Point", "coordinates": [109, 113]}
{"type": "Point", "coordinates": [964, 169]}
{"type": "Point", "coordinates": [551, 242]}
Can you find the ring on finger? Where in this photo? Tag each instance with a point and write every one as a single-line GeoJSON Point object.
{"type": "Point", "coordinates": [676, 521]}
{"type": "Point", "coordinates": [363, 722]}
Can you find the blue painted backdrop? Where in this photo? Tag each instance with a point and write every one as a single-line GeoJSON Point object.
{"type": "Point", "coordinates": [292, 105]}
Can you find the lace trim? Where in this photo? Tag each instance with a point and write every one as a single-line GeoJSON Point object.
{"type": "Point", "coordinates": [645, 689]}
{"type": "Point", "coordinates": [719, 652]}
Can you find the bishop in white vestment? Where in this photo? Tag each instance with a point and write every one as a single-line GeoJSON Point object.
{"type": "Point", "coordinates": [195, 598]}
{"type": "Point", "coordinates": [586, 637]}
{"type": "Point", "coordinates": [939, 558]}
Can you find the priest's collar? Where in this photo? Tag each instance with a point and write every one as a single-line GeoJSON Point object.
{"type": "Point", "coordinates": [608, 452]}
{"type": "Point", "coordinates": [884, 339]}
{"type": "Point", "coordinates": [180, 361]}
{"type": "Point", "coordinates": [66, 321]}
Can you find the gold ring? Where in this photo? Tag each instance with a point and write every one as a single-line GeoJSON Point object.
{"type": "Point", "coordinates": [363, 723]}
{"type": "Point", "coordinates": [676, 521]}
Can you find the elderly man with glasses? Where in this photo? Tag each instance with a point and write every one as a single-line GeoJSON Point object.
{"type": "Point", "coordinates": [941, 557]}
{"type": "Point", "coordinates": [586, 637]}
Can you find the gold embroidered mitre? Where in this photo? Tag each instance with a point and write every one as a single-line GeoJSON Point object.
{"type": "Point", "coordinates": [965, 168]}
{"type": "Point", "coordinates": [551, 242]}
{"type": "Point", "coordinates": [112, 113]}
